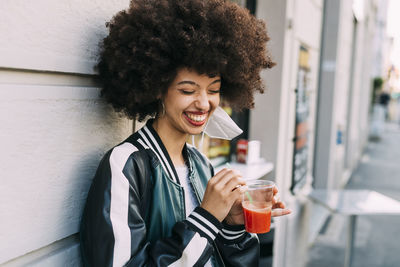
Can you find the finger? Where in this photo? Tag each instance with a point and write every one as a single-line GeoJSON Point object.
{"type": "Point", "coordinates": [219, 182]}
{"type": "Point", "coordinates": [221, 172]}
{"type": "Point", "coordinates": [219, 175]}
{"type": "Point", "coordinates": [234, 183]}
{"type": "Point", "coordinates": [276, 199]}
{"type": "Point", "coordinates": [278, 205]}
{"type": "Point", "coordinates": [238, 192]}
{"type": "Point", "coordinates": [275, 190]}
{"type": "Point", "coordinates": [280, 212]}
{"type": "Point", "coordinates": [228, 176]}
{"type": "Point", "coordinates": [241, 188]}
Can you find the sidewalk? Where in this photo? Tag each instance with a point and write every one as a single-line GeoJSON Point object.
{"type": "Point", "coordinates": [377, 241]}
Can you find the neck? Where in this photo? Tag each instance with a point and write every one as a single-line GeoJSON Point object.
{"type": "Point", "coordinates": [173, 140]}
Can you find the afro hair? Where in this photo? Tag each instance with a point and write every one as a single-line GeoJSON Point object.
{"type": "Point", "coordinates": [150, 41]}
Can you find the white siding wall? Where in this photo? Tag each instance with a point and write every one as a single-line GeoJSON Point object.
{"type": "Point", "coordinates": [53, 35]}
{"type": "Point", "coordinates": [54, 129]}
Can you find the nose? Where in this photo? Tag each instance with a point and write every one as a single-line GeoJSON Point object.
{"type": "Point", "coordinates": [202, 101]}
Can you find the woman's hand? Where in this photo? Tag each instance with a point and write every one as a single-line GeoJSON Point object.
{"type": "Point", "coordinates": [236, 216]}
{"type": "Point", "coordinates": [223, 190]}
{"type": "Point", "coordinates": [278, 207]}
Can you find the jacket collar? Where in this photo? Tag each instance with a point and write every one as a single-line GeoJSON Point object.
{"type": "Point", "coordinates": [150, 139]}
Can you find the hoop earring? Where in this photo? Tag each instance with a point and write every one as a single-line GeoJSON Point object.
{"type": "Point", "coordinates": [162, 109]}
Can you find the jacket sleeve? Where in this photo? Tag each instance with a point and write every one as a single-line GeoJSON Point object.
{"type": "Point", "coordinates": [238, 247]}
{"type": "Point", "coordinates": [113, 230]}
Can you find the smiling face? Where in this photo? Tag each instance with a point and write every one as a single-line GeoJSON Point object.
{"type": "Point", "coordinates": [189, 102]}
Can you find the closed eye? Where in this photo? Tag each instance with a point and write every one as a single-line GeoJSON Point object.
{"type": "Point", "coordinates": [186, 91]}
{"type": "Point", "coordinates": [217, 91]}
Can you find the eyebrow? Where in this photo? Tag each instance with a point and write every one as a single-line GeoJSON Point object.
{"type": "Point", "coordinates": [193, 83]}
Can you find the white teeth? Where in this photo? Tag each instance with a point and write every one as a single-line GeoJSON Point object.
{"type": "Point", "coordinates": [196, 118]}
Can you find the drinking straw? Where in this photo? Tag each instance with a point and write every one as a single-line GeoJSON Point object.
{"type": "Point", "coordinates": [246, 193]}
{"type": "Point", "coordinates": [249, 197]}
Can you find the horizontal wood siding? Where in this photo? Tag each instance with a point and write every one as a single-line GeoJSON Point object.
{"type": "Point", "coordinates": [54, 128]}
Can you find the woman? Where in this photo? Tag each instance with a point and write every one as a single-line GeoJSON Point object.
{"type": "Point", "coordinates": [154, 199]}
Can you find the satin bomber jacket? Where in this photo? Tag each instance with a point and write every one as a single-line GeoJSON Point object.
{"type": "Point", "coordinates": [135, 212]}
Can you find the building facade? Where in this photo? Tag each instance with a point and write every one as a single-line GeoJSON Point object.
{"type": "Point", "coordinates": [313, 121]}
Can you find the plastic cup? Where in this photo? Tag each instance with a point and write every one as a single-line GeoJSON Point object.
{"type": "Point", "coordinates": [257, 205]}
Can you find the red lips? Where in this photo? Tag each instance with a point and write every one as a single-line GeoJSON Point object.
{"type": "Point", "coordinates": [192, 120]}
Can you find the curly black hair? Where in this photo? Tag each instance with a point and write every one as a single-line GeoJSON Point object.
{"type": "Point", "coordinates": [151, 40]}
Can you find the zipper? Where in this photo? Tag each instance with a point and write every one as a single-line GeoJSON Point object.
{"type": "Point", "coordinates": [195, 189]}
{"type": "Point", "coordinates": [184, 203]}
{"type": "Point", "coordinates": [219, 254]}
{"type": "Point", "coordinates": [194, 186]}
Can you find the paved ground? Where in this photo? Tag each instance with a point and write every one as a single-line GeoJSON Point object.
{"type": "Point", "coordinates": [377, 241]}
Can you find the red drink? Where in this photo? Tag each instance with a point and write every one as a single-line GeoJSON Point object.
{"type": "Point", "coordinates": [257, 217]}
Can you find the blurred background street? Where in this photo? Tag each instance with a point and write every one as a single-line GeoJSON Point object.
{"type": "Point", "coordinates": [376, 237]}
